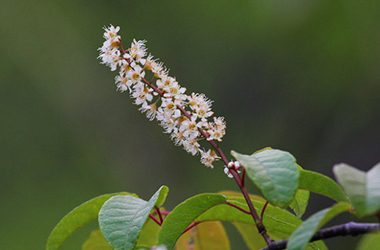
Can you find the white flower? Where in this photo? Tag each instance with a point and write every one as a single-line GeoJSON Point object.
{"type": "Point", "coordinates": [191, 146]}
{"type": "Point", "coordinates": [231, 164]}
{"type": "Point", "coordinates": [171, 89]}
{"type": "Point", "coordinates": [138, 51]}
{"type": "Point", "coordinates": [142, 94]}
{"type": "Point", "coordinates": [189, 127]}
{"type": "Point", "coordinates": [228, 173]}
{"type": "Point", "coordinates": [167, 105]}
{"type": "Point", "coordinates": [208, 158]}
{"type": "Point", "coordinates": [111, 33]}
{"type": "Point", "coordinates": [184, 117]}
{"type": "Point", "coordinates": [150, 109]}
{"type": "Point", "coordinates": [177, 137]}
{"type": "Point", "coordinates": [170, 125]}
{"type": "Point", "coordinates": [122, 83]}
{"type": "Point", "coordinates": [201, 105]}
{"type": "Point", "coordinates": [135, 74]}
{"type": "Point", "coordinates": [157, 68]}
{"type": "Point", "coordinates": [217, 129]}
{"type": "Point", "coordinates": [110, 58]}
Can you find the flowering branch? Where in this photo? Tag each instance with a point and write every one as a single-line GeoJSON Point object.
{"type": "Point", "coordinates": [183, 116]}
{"type": "Point", "coordinates": [351, 228]}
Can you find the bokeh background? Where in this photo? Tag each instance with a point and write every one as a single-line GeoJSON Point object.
{"type": "Point", "coordinates": [301, 76]}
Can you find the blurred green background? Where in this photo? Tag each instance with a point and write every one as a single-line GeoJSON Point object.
{"type": "Point", "coordinates": [301, 76]}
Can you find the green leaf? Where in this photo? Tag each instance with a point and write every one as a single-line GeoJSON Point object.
{"type": "Point", "coordinates": [96, 242]}
{"type": "Point", "coordinates": [205, 236]}
{"type": "Point", "coordinates": [279, 223]}
{"type": "Point", "coordinates": [184, 214]}
{"type": "Point", "coordinates": [369, 241]}
{"type": "Point", "coordinates": [363, 189]}
{"type": "Point", "coordinates": [321, 184]}
{"type": "Point", "coordinates": [300, 202]}
{"type": "Point", "coordinates": [301, 237]}
{"type": "Point", "coordinates": [77, 218]}
{"type": "Point", "coordinates": [274, 172]}
{"type": "Point", "coordinates": [122, 217]}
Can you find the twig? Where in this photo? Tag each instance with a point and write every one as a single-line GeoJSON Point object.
{"type": "Point", "coordinates": [351, 228]}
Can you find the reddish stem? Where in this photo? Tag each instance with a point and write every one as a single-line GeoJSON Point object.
{"type": "Point", "coordinates": [165, 212]}
{"type": "Point", "coordinates": [159, 213]}
{"type": "Point", "coordinates": [191, 226]}
{"type": "Point", "coordinates": [237, 207]}
{"type": "Point", "coordinates": [262, 211]}
{"type": "Point", "coordinates": [155, 219]}
{"type": "Point", "coordinates": [243, 177]}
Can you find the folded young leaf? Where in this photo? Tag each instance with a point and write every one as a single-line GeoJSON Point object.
{"type": "Point", "coordinates": [301, 237]}
{"type": "Point", "coordinates": [205, 236]}
{"type": "Point", "coordinates": [321, 184]}
{"type": "Point", "coordinates": [122, 217]}
{"type": "Point", "coordinates": [300, 202]}
{"type": "Point", "coordinates": [184, 214]}
{"type": "Point", "coordinates": [363, 189]}
{"type": "Point", "coordinates": [77, 218]}
{"type": "Point", "coordinates": [274, 172]}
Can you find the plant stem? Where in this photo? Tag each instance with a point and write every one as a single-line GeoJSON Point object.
{"type": "Point", "coordinates": [351, 228]}
{"type": "Point", "coordinates": [260, 226]}
{"type": "Point", "coordinates": [191, 226]}
{"type": "Point", "coordinates": [238, 208]}
{"type": "Point", "coordinates": [159, 213]}
{"type": "Point", "coordinates": [155, 220]}
{"type": "Point", "coordinates": [262, 211]}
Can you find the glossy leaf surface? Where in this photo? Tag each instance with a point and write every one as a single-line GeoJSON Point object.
{"type": "Point", "coordinates": [321, 184]}
{"type": "Point", "coordinates": [184, 214]}
{"type": "Point", "coordinates": [122, 218]}
{"type": "Point", "coordinates": [274, 172]}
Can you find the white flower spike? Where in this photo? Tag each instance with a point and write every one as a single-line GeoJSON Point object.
{"type": "Point", "coordinates": [183, 116]}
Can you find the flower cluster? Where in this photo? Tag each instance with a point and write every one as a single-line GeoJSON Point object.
{"type": "Point", "coordinates": [232, 164]}
{"type": "Point", "coordinates": [184, 117]}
